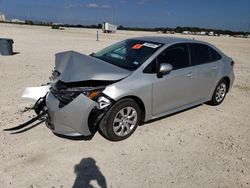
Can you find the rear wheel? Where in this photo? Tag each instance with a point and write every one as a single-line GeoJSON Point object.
{"type": "Point", "coordinates": [219, 93]}
{"type": "Point", "coordinates": [121, 120]}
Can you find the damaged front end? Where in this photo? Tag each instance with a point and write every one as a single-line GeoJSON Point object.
{"type": "Point", "coordinates": [71, 109]}
{"type": "Point", "coordinates": [75, 109]}
{"type": "Point", "coordinates": [74, 102]}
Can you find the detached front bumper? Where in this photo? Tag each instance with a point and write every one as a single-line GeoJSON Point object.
{"type": "Point", "coordinates": [71, 120]}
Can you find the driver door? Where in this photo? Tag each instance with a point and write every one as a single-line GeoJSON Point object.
{"type": "Point", "coordinates": [174, 89]}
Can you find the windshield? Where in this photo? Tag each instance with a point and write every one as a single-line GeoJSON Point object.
{"type": "Point", "coordinates": [128, 54]}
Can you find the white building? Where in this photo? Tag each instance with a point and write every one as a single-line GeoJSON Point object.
{"type": "Point", "coordinates": [204, 33]}
{"type": "Point", "coordinates": [17, 21]}
{"type": "Point", "coordinates": [186, 32]}
{"type": "Point", "coordinates": [2, 17]}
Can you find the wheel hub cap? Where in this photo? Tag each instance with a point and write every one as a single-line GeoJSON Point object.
{"type": "Point", "coordinates": [125, 121]}
{"type": "Point", "coordinates": [221, 92]}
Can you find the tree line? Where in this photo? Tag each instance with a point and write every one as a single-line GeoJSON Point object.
{"type": "Point", "coordinates": [177, 29]}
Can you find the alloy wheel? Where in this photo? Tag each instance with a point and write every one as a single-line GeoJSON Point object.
{"type": "Point", "coordinates": [125, 121]}
{"type": "Point", "coordinates": [221, 92]}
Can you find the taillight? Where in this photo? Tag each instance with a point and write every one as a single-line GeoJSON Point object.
{"type": "Point", "coordinates": [232, 63]}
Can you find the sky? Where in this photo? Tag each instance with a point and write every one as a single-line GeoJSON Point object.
{"type": "Point", "coordinates": [219, 14]}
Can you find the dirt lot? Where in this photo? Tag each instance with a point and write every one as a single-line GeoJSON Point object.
{"type": "Point", "coordinates": [202, 147]}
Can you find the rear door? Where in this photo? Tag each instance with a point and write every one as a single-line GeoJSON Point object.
{"type": "Point", "coordinates": [174, 89]}
{"type": "Point", "coordinates": [206, 63]}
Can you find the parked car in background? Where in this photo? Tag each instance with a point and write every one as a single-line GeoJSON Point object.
{"type": "Point", "coordinates": [133, 81]}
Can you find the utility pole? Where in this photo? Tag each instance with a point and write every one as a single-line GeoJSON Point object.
{"type": "Point", "coordinates": [113, 15]}
{"type": "Point", "coordinates": [29, 14]}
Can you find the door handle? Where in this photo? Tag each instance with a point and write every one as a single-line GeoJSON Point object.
{"type": "Point", "coordinates": [215, 67]}
{"type": "Point", "coordinates": [190, 74]}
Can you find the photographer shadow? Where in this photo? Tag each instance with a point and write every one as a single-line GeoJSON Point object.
{"type": "Point", "coordinates": [86, 172]}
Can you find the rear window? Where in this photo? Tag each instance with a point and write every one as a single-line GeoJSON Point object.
{"type": "Point", "coordinates": [215, 56]}
{"type": "Point", "coordinates": [200, 54]}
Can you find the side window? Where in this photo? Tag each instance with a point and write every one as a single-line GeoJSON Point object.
{"type": "Point", "coordinates": [176, 55]}
{"type": "Point", "coordinates": [215, 56]}
{"type": "Point", "coordinates": [200, 54]}
{"type": "Point", "coordinates": [151, 68]}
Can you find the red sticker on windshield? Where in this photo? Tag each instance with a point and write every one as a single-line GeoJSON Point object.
{"type": "Point", "coordinates": [137, 46]}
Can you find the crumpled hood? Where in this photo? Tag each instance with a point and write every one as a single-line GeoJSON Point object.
{"type": "Point", "coordinates": [76, 67]}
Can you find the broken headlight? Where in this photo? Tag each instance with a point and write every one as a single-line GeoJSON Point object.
{"type": "Point", "coordinates": [68, 95]}
{"type": "Point", "coordinates": [65, 97]}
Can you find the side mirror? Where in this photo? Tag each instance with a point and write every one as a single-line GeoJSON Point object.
{"type": "Point", "coordinates": [164, 69]}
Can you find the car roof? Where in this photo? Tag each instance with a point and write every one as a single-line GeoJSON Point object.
{"type": "Point", "coordinates": [171, 40]}
{"type": "Point", "coordinates": [165, 40]}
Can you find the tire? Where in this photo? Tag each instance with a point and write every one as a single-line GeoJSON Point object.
{"type": "Point", "coordinates": [220, 93]}
{"type": "Point", "coordinates": [121, 121]}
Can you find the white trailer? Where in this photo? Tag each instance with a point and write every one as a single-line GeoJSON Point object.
{"type": "Point", "coordinates": [109, 28]}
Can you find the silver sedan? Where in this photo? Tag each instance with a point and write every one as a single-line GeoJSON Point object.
{"type": "Point", "coordinates": [131, 82]}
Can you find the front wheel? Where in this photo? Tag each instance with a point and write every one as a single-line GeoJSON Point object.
{"type": "Point", "coordinates": [121, 120]}
{"type": "Point", "coordinates": [219, 93]}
